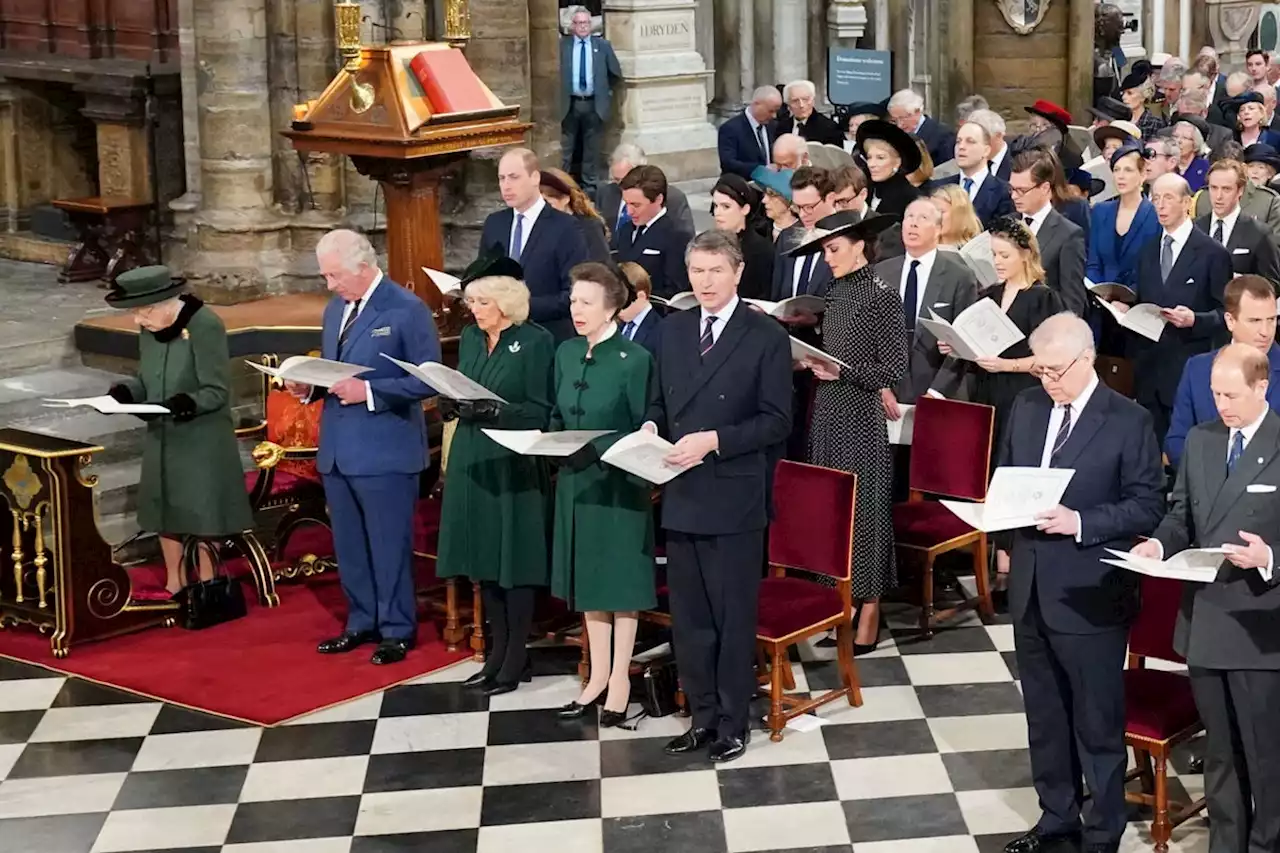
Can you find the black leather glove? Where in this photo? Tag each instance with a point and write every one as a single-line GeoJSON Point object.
{"type": "Point", "coordinates": [447, 408]}
{"type": "Point", "coordinates": [121, 394]}
{"type": "Point", "coordinates": [182, 407]}
{"type": "Point", "coordinates": [579, 460]}
{"type": "Point", "coordinates": [480, 411]}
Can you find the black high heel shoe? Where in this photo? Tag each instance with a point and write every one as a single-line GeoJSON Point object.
{"type": "Point", "coordinates": [575, 710]}
{"type": "Point", "coordinates": [612, 719]}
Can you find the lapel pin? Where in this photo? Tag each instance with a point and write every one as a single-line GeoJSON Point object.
{"type": "Point", "coordinates": [514, 348]}
{"type": "Point", "coordinates": [624, 355]}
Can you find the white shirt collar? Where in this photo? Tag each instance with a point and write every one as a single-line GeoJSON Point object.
{"type": "Point", "coordinates": [661, 213]}
{"type": "Point", "coordinates": [639, 318]}
{"type": "Point", "coordinates": [722, 316]}
{"type": "Point", "coordinates": [920, 123]}
{"type": "Point", "coordinates": [923, 271]}
{"type": "Point", "coordinates": [998, 157]}
{"type": "Point", "coordinates": [610, 330]}
{"type": "Point", "coordinates": [1038, 218]}
{"type": "Point", "coordinates": [1228, 223]}
{"type": "Point", "coordinates": [1249, 430]}
{"type": "Point", "coordinates": [368, 294]}
{"type": "Point", "coordinates": [530, 215]}
{"type": "Point", "coordinates": [751, 120]}
{"type": "Point", "coordinates": [1077, 405]}
{"type": "Point", "coordinates": [1181, 233]}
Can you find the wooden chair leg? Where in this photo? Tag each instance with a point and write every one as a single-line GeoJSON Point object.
{"type": "Point", "coordinates": [477, 622]}
{"type": "Point", "coordinates": [777, 722]}
{"type": "Point", "coordinates": [1142, 759]}
{"type": "Point", "coordinates": [1161, 827]}
{"type": "Point", "coordinates": [762, 664]}
{"type": "Point", "coordinates": [980, 568]}
{"type": "Point", "coordinates": [926, 599]}
{"type": "Point", "coordinates": [788, 675]}
{"type": "Point", "coordinates": [848, 667]}
{"type": "Point", "coordinates": [453, 630]}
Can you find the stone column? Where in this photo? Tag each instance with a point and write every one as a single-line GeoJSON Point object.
{"type": "Point", "coordinates": [790, 39]}
{"type": "Point", "coordinates": [1231, 23]}
{"type": "Point", "coordinates": [956, 61]}
{"type": "Point", "coordinates": [814, 34]}
{"type": "Point", "coordinates": [544, 79]}
{"type": "Point", "coordinates": [1080, 57]}
{"type": "Point", "coordinates": [661, 102]}
{"type": "Point", "coordinates": [190, 113]}
{"type": "Point", "coordinates": [728, 74]}
{"type": "Point", "coordinates": [847, 22]}
{"type": "Point", "coordinates": [705, 18]}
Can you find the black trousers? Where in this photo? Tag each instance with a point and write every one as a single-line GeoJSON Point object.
{"type": "Point", "coordinates": [1073, 692]}
{"type": "Point", "coordinates": [1242, 743]}
{"type": "Point", "coordinates": [715, 586]}
{"type": "Point", "coordinates": [510, 615]}
{"type": "Point", "coordinates": [583, 130]}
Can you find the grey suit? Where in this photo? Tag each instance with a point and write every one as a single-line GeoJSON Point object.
{"type": "Point", "coordinates": [1062, 251]}
{"type": "Point", "coordinates": [582, 118]}
{"type": "Point", "coordinates": [1261, 203]}
{"type": "Point", "coordinates": [1229, 630]}
{"type": "Point", "coordinates": [609, 203]}
{"type": "Point", "coordinates": [950, 289]}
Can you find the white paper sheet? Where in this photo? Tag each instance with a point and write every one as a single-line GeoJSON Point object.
{"type": "Point", "coordinates": [535, 442]}
{"type": "Point", "coordinates": [644, 454]}
{"type": "Point", "coordinates": [981, 331]}
{"type": "Point", "coordinates": [447, 381]}
{"type": "Point", "coordinates": [1198, 565]}
{"type": "Point", "coordinates": [320, 372]}
{"type": "Point", "coordinates": [1014, 498]}
{"type": "Point", "coordinates": [1143, 319]}
{"type": "Point", "coordinates": [803, 304]}
{"type": "Point", "coordinates": [680, 302]}
{"type": "Point", "coordinates": [1100, 169]}
{"type": "Point", "coordinates": [903, 429]}
{"type": "Point", "coordinates": [107, 405]}
{"type": "Point", "coordinates": [1112, 291]}
{"type": "Point", "coordinates": [801, 351]}
{"type": "Point", "coordinates": [449, 285]}
{"type": "Point", "coordinates": [977, 254]}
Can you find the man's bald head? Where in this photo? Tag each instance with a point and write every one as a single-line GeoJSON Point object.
{"type": "Point", "coordinates": [1239, 381]}
{"type": "Point", "coordinates": [1174, 184]}
{"type": "Point", "coordinates": [1171, 196]}
{"type": "Point", "coordinates": [790, 151]}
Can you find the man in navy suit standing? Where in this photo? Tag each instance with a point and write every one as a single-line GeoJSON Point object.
{"type": "Point", "coordinates": [588, 69]}
{"type": "Point", "coordinates": [545, 242]}
{"type": "Point", "coordinates": [746, 140]}
{"type": "Point", "coordinates": [1070, 611]}
{"type": "Point", "coordinates": [989, 194]}
{"type": "Point", "coordinates": [373, 443]}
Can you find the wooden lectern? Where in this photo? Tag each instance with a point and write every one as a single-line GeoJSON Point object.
{"type": "Point", "coordinates": [377, 113]}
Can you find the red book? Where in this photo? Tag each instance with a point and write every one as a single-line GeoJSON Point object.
{"type": "Point", "coordinates": [450, 84]}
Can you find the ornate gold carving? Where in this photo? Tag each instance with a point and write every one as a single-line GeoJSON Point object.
{"type": "Point", "coordinates": [347, 17]}
{"type": "Point", "coordinates": [89, 481]}
{"type": "Point", "coordinates": [268, 454]}
{"type": "Point", "coordinates": [457, 22]}
{"type": "Point", "coordinates": [106, 599]}
{"type": "Point", "coordinates": [17, 555]}
{"type": "Point", "coordinates": [308, 565]}
{"type": "Point", "coordinates": [22, 482]}
{"type": "Point", "coordinates": [42, 577]}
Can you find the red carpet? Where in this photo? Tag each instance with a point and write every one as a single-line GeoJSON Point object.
{"type": "Point", "coordinates": [262, 669]}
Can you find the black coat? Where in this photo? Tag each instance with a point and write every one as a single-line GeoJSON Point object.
{"type": "Point", "coordinates": [596, 236]}
{"type": "Point", "coordinates": [819, 128]}
{"type": "Point", "coordinates": [758, 261]}
{"type": "Point", "coordinates": [784, 269]}
{"type": "Point", "coordinates": [938, 138]}
{"type": "Point", "coordinates": [739, 148]}
{"type": "Point", "coordinates": [660, 250]}
{"type": "Point", "coordinates": [554, 246]}
{"type": "Point", "coordinates": [1252, 250]}
{"type": "Point", "coordinates": [649, 333]}
{"type": "Point", "coordinates": [894, 195]}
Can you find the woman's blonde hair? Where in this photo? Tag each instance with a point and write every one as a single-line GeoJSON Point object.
{"type": "Point", "coordinates": [869, 144]}
{"type": "Point", "coordinates": [965, 224]}
{"type": "Point", "coordinates": [510, 295]}
{"type": "Point", "coordinates": [924, 174]}
{"type": "Point", "coordinates": [1011, 229]}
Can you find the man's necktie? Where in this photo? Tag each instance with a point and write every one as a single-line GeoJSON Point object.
{"type": "Point", "coordinates": [639, 232]}
{"type": "Point", "coordinates": [1030, 220]}
{"type": "Point", "coordinates": [582, 66]}
{"type": "Point", "coordinates": [1236, 451]}
{"type": "Point", "coordinates": [517, 239]}
{"type": "Point", "coordinates": [806, 271]}
{"type": "Point", "coordinates": [1166, 257]}
{"type": "Point", "coordinates": [764, 143]}
{"type": "Point", "coordinates": [968, 185]}
{"type": "Point", "coordinates": [1217, 232]}
{"type": "Point", "coordinates": [1059, 441]}
{"type": "Point", "coordinates": [707, 340]}
{"type": "Point", "coordinates": [910, 295]}
{"type": "Point", "coordinates": [629, 330]}
{"type": "Point", "coordinates": [348, 323]}
{"type": "Point", "coordinates": [623, 216]}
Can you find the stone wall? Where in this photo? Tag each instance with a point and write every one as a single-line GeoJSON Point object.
{"type": "Point", "coordinates": [1013, 70]}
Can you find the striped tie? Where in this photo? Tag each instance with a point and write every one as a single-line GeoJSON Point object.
{"type": "Point", "coordinates": [1064, 432]}
{"type": "Point", "coordinates": [707, 341]}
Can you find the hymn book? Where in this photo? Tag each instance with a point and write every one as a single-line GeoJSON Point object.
{"type": "Point", "coordinates": [448, 285]}
{"type": "Point", "coordinates": [446, 381]}
{"type": "Point", "coordinates": [1112, 291]}
{"type": "Point", "coordinates": [977, 255]}
{"type": "Point", "coordinates": [903, 429]}
{"type": "Point", "coordinates": [645, 455]}
{"type": "Point", "coordinates": [980, 331]}
{"type": "Point", "coordinates": [1100, 170]}
{"type": "Point", "coordinates": [308, 370]}
{"type": "Point", "coordinates": [535, 442]}
{"type": "Point", "coordinates": [800, 351]}
{"type": "Point", "coordinates": [796, 306]}
{"type": "Point", "coordinates": [1014, 498]}
{"type": "Point", "coordinates": [1145, 319]}
{"type": "Point", "coordinates": [680, 302]}
{"type": "Point", "coordinates": [108, 405]}
{"type": "Point", "coordinates": [1198, 565]}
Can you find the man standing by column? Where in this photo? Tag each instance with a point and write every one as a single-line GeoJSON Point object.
{"type": "Point", "coordinates": [588, 69]}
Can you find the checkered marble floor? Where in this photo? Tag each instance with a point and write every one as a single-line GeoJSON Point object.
{"type": "Point", "coordinates": [934, 762]}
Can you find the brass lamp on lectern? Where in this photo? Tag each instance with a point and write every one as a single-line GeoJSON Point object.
{"type": "Point", "coordinates": [347, 17]}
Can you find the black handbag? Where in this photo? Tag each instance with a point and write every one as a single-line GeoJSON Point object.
{"type": "Point", "coordinates": [654, 687]}
{"type": "Point", "coordinates": [213, 602]}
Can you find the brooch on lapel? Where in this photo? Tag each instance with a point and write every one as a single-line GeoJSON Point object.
{"type": "Point", "coordinates": [622, 355]}
{"type": "Point", "coordinates": [514, 348]}
{"type": "Point", "coordinates": [382, 332]}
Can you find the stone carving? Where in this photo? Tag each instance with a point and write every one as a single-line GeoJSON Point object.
{"type": "Point", "coordinates": [1023, 15]}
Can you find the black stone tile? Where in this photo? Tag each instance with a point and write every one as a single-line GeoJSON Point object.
{"type": "Point", "coordinates": [989, 770]}
{"type": "Point", "coordinates": [17, 726]}
{"type": "Point", "coordinates": [872, 672]}
{"type": "Point", "coordinates": [72, 833]}
{"type": "Point", "coordinates": [944, 641]}
{"type": "Point", "coordinates": [700, 831]}
{"type": "Point", "coordinates": [508, 728]}
{"type": "Point", "coordinates": [554, 660]}
{"type": "Point", "coordinates": [892, 818]}
{"type": "Point", "coordinates": [284, 820]}
{"type": "Point", "coordinates": [411, 771]}
{"type": "Point", "coordinates": [76, 758]}
{"type": "Point", "coordinates": [994, 843]}
{"type": "Point", "coordinates": [16, 670]}
{"type": "Point", "coordinates": [1011, 661]}
{"type": "Point", "coordinates": [174, 720]}
{"type": "Point", "coordinates": [970, 700]}
{"type": "Point", "coordinates": [411, 700]}
{"type": "Point", "coordinates": [776, 786]}
{"type": "Point", "coordinates": [76, 693]}
{"type": "Point", "coordinates": [203, 786]}
{"type": "Point", "coordinates": [643, 756]}
{"type": "Point", "coordinates": [452, 841]}
{"type": "Point", "coordinates": [321, 740]}
{"type": "Point", "coordinates": [874, 740]}
{"type": "Point", "coordinates": [836, 848]}
{"type": "Point", "coordinates": [540, 803]}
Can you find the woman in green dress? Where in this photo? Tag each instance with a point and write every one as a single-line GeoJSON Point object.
{"type": "Point", "coordinates": [495, 513]}
{"type": "Point", "coordinates": [192, 478]}
{"type": "Point", "coordinates": [602, 556]}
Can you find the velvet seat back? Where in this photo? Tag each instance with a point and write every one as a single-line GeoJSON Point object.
{"type": "Point", "coordinates": [812, 526]}
{"type": "Point", "coordinates": [1151, 634]}
{"type": "Point", "coordinates": [951, 448]}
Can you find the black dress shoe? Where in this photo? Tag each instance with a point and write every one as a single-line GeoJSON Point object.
{"type": "Point", "coordinates": [1000, 601]}
{"type": "Point", "coordinates": [347, 641]}
{"type": "Point", "coordinates": [497, 688]}
{"type": "Point", "coordinates": [860, 649]}
{"type": "Point", "coordinates": [1039, 841]}
{"type": "Point", "coordinates": [612, 719]}
{"type": "Point", "coordinates": [574, 710]}
{"type": "Point", "coordinates": [479, 680]}
{"type": "Point", "coordinates": [1196, 765]}
{"type": "Point", "coordinates": [729, 747]}
{"type": "Point", "coordinates": [391, 651]}
{"type": "Point", "coordinates": [691, 741]}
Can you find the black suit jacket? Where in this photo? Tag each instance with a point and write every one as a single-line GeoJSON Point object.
{"type": "Point", "coordinates": [609, 204]}
{"type": "Point", "coordinates": [993, 199]}
{"type": "Point", "coordinates": [1252, 250]}
{"type": "Point", "coordinates": [1117, 489]}
{"type": "Point", "coordinates": [1197, 280]}
{"type": "Point", "coordinates": [784, 268]}
{"type": "Point", "coordinates": [1006, 166]}
{"type": "Point", "coordinates": [660, 250]}
{"type": "Point", "coordinates": [739, 148]}
{"type": "Point", "coordinates": [819, 128]}
{"type": "Point", "coordinates": [741, 389]}
{"type": "Point", "coordinates": [554, 246]}
{"type": "Point", "coordinates": [938, 138]}
{"type": "Point", "coordinates": [1063, 247]}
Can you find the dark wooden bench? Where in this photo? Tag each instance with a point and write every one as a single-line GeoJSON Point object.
{"type": "Point", "coordinates": [112, 237]}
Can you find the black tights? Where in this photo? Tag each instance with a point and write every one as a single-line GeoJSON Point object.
{"type": "Point", "coordinates": [510, 616]}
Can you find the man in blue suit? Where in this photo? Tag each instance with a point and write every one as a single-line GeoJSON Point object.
{"type": "Point", "coordinates": [1071, 612]}
{"type": "Point", "coordinates": [373, 443]}
{"type": "Point", "coordinates": [989, 194]}
{"type": "Point", "coordinates": [746, 140]}
{"type": "Point", "coordinates": [1251, 318]}
{"type": "Point", "coordinates": [588, 69]}
{"type": "Point", "coordinates": [639, 321]}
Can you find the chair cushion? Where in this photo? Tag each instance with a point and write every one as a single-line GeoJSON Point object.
{"type": "Point", "coordinates": [926, 524]}
{"type": "Point", "coordinates": [284, 482]}
{"type": "Point", "coordinates": [788, 605]}
{"type": "Point", "coordinates": [426, 526]}
{"type": "Point", "coordinates": [1158, 704]}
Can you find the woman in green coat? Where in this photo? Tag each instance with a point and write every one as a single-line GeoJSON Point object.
{"type": "Point", "coordinates": [192, 478]}
{"type": "Point", "coordinates": [602, 557]}
{"type": "Point", "coordinates": [493, 525]}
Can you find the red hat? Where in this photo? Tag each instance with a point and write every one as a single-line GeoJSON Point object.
{"type": "Point", "coordinates": [1052, 112]}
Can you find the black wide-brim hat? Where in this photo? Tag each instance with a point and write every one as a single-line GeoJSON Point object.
{"type": "Point", "coordinates": [492, 261]}
{"type": "Point", "coordinates": [1138, 75]}
{"type": "Point", "coordinates": [1110, 109]}
{"type": "Point", "coordinates": [897, 138]}
{"type": "Point", "coordinates": [1195, 121]}
{"type": "Point", "coordinates": [842, 223]}
{"type": "Point", "coordinates": [879, 109]}
{"type": "Point", "coordinates": [144, 286]}
{"type": "Point", "coordinates": [1261, 152]}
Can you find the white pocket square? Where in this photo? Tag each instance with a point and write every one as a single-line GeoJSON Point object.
{"type": "Point", "coordinates": [1191, 281]}
{"type": "Point", "coordinates": [941, 304]}
{"type": "Point", "coordinates": [1239, 251]}
{"type": "Point", "coordinates": [381, 332]}
{"type": "Point", "coordinates": [1259, 489]}
{"type": "Point", "coordinates": [651, 252]}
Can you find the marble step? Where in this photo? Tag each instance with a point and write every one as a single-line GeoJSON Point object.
{"type": "Point", "coordinates": [22, 394]}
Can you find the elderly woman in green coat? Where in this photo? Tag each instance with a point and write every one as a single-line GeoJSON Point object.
{"type": "Point", "coordinates": [602, 556]}
{"type": "Point", "coordinates": [192, 478]}
{"type": "Point", "coordinates": [493, 525]}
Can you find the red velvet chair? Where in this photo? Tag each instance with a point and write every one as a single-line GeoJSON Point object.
{"type": "Point", "coordinates": [950, 458]}
{"type": "Point", "coordinates": [809, 589]}
{"type": "Point", "coordinates": [1160, 711]}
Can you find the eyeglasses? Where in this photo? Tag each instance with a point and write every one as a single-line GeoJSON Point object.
{"type": "Point", "coordinates": [807, 208]}
{"type": "Point", "coordinates": [1044, 373]}
{"type": "Point", "coordinates": [844, 202]}
{"type": "Point", "coordinates": [1019, 192]}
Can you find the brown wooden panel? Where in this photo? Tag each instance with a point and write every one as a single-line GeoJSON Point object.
{"type": "Point", "coordinates": [70, 26]}
{"type": "Point", "coordinates": [26, 25]}
{"type": "Point", "coordinates": [1014, 70]}
{"type": "Point", "coordinates": [140, 28]}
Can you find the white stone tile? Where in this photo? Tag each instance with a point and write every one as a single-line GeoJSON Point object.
{"type": "Point", "coordinates": [9, 754]}
{"type": "Point", "coordinates": [972, 734]}
{"type": "Point", "coordinates": [541, 693]}
{"type": "Point", "coordinates": [185, 750]}
{"type": "Point", "coordinates": [938, 844]}
{"type": "Point", "coordinates": [672, 725]}
{"type": "Point", "coordinates": [59, 795]}
{"type": "Point", "coordinates": [890, 776]}
{"type": "Point", "coordinates": [561, 836]}
{"type": "Point", "coordinates": [794, 748]}
{"type": "Point", "coordinates": [364, 708]}
{"type": "Point", "coordinates": [541, 762]}
{"type": "Point", "coordinates": [660, 793]}
{"type": "Point", "coordinates": [999, 811]}
{"type": "Point", "coordinates": [430, 810]}
{"type": "Point", "coordinates": [427, 732]}
{"type": "Point", "coordinates": [879, 705]}
{"type": "Point", "coordinates": [957, 668]}
{"type": "Point", "coordinates": [95, 722]}
{"type": "Point", "coordinates": [162, 829]}
{"type": "Point", "coordinates": [35, 694]}
{"type": "Point", "coordinates": [301, 845]}
{"type": "Point", "coordinates": [1002, 636]}
{"type": "Point", "coordinates": [460, 671]}
{"type": "Point", "coordinates": [305, 779]}
{"type": "Point", "coordinates": [785, 827]}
